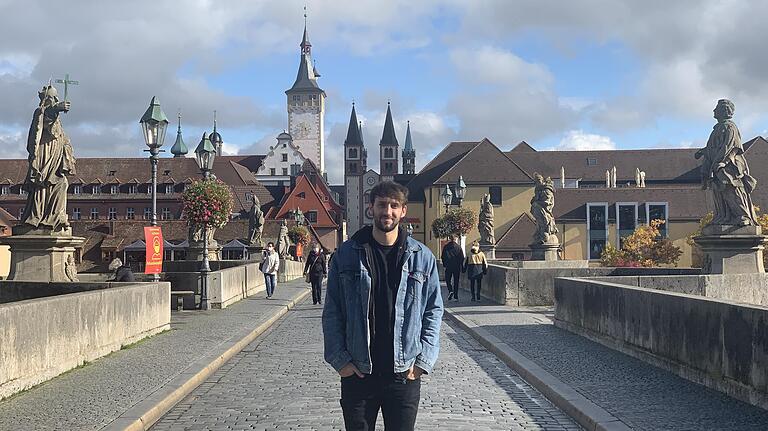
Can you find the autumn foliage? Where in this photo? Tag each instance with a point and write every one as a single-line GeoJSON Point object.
{"type": "Point", "coordinates": [299, 235]}
{"type": "Point", "coordinates": [642, 248]}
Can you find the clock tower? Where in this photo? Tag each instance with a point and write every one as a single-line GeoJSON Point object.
{"type": "Point", "coordinates": [306, 108]}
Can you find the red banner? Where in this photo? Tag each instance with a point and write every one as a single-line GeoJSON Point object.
{"type": "Point", "coordinates": [153, 236]}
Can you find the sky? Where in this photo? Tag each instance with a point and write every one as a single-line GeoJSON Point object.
{"type": "Point", "coordinates": [587, 74]}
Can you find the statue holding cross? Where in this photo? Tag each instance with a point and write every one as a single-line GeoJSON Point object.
{"type": "Point", "coordinates": [67, 82]}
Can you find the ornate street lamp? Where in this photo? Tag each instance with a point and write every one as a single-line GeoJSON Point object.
{"type": "Point", "coordinates": [153, 126]}
{"type": "Point", "coordinates": [300, 217]}
{"type": "Point", "coordinates": [204, 155]}
{"type": "Point", "coordinates": [461, 190]}
{"type": "Point", "coordinates": [447, 196]}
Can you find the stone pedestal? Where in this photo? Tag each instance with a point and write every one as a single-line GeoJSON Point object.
{"type": "Point", "coordinates": [195, 251]}
{"type": "Point", "coordinates": [546, 252]}
{"type": "Point", "coordinates": [42, 256]}
{"type": "Point", "coordinates": [731, 249]}
{"type": "Point", "coordinates": [489, 250]}
{"type": "Point", "coordinates": [254, 252]}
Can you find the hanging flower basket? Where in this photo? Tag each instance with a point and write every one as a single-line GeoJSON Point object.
{"type": "Point", "coordinates": [207, 202]}
{"type": "Point", "coordinates": [299, 235]}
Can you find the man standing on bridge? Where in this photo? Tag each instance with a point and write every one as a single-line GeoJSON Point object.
{"type": "Point", "coordinates": [382, 316]}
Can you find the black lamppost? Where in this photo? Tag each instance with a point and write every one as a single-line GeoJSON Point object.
{"type": "Point", "coordinates": [300, 219]}
{"type": "Point", "coordinates": [447, 196]}
{"type": "Point", "coordinates": [461, 190]}
{"type": "Point", "coordinates": [153, 126]}
{"type": "Point", "coordinates": [409, 229]}
{"type": "Point", "coordinates": [204, 155]}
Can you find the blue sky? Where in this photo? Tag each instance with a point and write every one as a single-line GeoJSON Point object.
{"type": "Point", "coordinates": [588, 74]}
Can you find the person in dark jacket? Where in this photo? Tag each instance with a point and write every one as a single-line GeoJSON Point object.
{"type": "Point", "coordinates": [453, 260]}
{"type": "Point", "coordinates": [315, 268]}
{"type": "Point", "coordinates": [476, 266]}
{"type": "Point", "coordinates": [122, 272]}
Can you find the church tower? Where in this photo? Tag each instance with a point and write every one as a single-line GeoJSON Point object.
{"type": "Point", "coordinates": [388, 149]}
{"type": "Point", "coordinates": [306, 107]}
{"type": "Point", "coordinates": [354, 167]}
{"type": "Point", "coordinates": [409, 154]}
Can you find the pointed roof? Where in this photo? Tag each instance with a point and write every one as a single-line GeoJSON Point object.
{"type": "Point", "coordinates": [523, 147]}
{"type": "Point", "coordinates": [388, 137]}
{"type": "Point", "coordinates": [215, 137]}
{"type": "Point", "coordinates": [354, 137]}
{"type": "Point", "coordinates": [486, 164]}
{"type": "Point", "coordinates": [179, 149]}
{"type": "Point", "coordinates": [306, 79]}
{"type": "Point", "coordinates": [408, 141]}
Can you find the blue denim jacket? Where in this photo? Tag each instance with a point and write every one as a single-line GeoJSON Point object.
{"type": "Point", "coordinates": [418, 309]}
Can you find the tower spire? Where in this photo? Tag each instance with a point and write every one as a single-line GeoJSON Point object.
{"type": "Point", "coordinates": [409, 154]}
{"type": "Point", "coordinates": [215, 137]}
{"type": "Point", "coordinates": [353, 131]}
{"type": "Point", "coordinates": [306, 47]}
{"type": "Point", "coordinates": [179, 149]}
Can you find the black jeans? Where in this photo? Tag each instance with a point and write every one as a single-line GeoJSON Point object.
{"type": "Point", "coordinates": [397, 398]}
{"type": "Point", "coordinates": [317, 288]}
{"type": "Point", "coordinates": [452, 281]}
{"type": "Point", "coordinates": [475, 281]}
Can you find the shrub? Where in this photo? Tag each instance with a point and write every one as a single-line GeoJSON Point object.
{"type": "Point", "coordinates": [642, 248]}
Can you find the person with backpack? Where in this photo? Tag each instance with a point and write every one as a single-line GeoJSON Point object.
{"type": "Point", "coordinates": [476, 266]}
{"type": "Point", "coordinates": [270, 264]}
{"type": "Point", "coordinates": [315, 271]}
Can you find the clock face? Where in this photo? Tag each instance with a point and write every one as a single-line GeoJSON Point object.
{"type": "Point", "coordinates": [303, 126]}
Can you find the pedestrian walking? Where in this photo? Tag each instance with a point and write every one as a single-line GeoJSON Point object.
{"type": "Point", "coordinates": [270, 263]}
{"type": "Point", "coordinates": [476, 266]}
{"type": "Point", "coordinates": [122, 272]}
{"type": "Point", "coordinates": [453, 260]}
{"type": "Point", "coordinates": [382, 316]}
{"type": "Point", "coordinates": [315, 270]}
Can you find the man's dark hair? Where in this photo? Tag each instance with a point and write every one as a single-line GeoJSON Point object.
{"type": "Point", "coordinates": [270, 243]}
{"type": "Point", "coordinates": [389, 189]}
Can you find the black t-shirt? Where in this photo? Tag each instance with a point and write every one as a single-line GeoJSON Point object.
{"type": "Point", "coordinates": [382, 312]}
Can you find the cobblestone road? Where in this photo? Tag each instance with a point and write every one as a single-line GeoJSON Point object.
{"type": "Point", "coordinates": [642, 396]}
{"type": "Point", "coordinates": [281, 382]}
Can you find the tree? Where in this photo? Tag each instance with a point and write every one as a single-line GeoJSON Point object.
{"type": "Point", "coordinates": [642, 248]}
{"type": "Point", "coordinates": [207, 202]}
{"type": "Point", "coordinates": [456, 222]}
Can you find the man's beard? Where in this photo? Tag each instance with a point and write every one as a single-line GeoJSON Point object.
{"type": "Point", "coordinates": [381, 227]}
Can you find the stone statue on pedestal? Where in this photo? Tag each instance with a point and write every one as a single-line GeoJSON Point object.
{"type": "Point", "coordinates": [485, 221]}
{"type": "Point", "coordinates": [42, 245]}
{"type": "Point", "coordinates": [51, 160]}
{"type": "Point", "coordinates": [724, 171]}
{"type": "Point", "coordinates": [283, 242]}
{"type": "Point", "coordinates": [733, 242]}
{"type": "Point", "coordinates": [542, 204]}
{"type": "Point", "coordinates": [255, 222]}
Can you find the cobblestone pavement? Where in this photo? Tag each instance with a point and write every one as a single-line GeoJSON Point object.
{"type": "Point", "coordinates": [642, 396]}
{"type": "Point", "coordinates": [90, 397]}
{"type": "Point", "coordinates": [281, 382]}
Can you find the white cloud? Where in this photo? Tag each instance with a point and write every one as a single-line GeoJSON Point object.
{"type": "Point", "coordinates": [578, 140]}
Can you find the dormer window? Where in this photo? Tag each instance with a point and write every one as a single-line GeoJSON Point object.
{"type": "Point", "coordinates": [168, 189]}
{"type": "Point", "coordinates": [76, 189]}
{"type": "Point", "coordinates": [111, 173]}
{"type": "Point", "coordinates": [95, 190]}
{"type": "Point", "coordinates": [6, 190]}
{"type": "Point", "coordinates": [132, 188]}
{"type": "Point", "coordinates": [167, 172]}
{"type": "Point", "coordinates": [591, 161]}
{"type": "Point", "coordinates": [113, 190]}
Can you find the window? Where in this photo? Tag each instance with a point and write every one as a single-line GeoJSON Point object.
{"type": "Point", "coordinates": [284, 157]}
{"type": "Point", "coordinates": [495, 195]}
{"type": "Point", "coordinates": [111, 173]}
{"type": "Point", "coordinates": [76, 189]}
{"type": "Point", "coordinates": [353, 168]}
{"type": "Point", "coordinates": [149, 189]}
{"type": "Point", "coordinates": [113, 190]}
{"type": "Point", "coordinates": [658, 211]}
{"type": "Point", "coordinates": [112, 215]}
{"type": "Point", "coordinates": [591, 161]}
{"type": "Point", "coordinates": [302, 195]}
{"type": "Point", "coordinates": [6, 190]}
{"type": "Point", "coordinates": [352, 153]}
{"type": "Point", "coordinates": [95, 189]}
{"type": "Point", "coordinates": [285, 171]}
{"type": "Point", "coordinates": [626, 220]}
{"type": "Point", "coordinates": [94, 213]}
{"type": "Point", "coordinates": [168, 189]}
{"type": "Point", "coordinates": [165, 214]}
{"type": "Point", "coordinates": [22, 190]}
{"type": "Point", "coordinates": [285, 145]}
{"type": "Point", "coordinates": [76, 214]}
{"type": "Point", "coordinates": [132, 188]}
{"type": "Point", "coordinates": [388, 153]}
{"type": "Point", "coordinates": [147, 213]}
{"type": "Point", "coordinates": [311, 216]}
{"type": "Point", "coordinates": [272, 171]}
{"type": "Point", "coordinates": [130, 213]}
{"type": "Point", "coordinates": [597, 228]}
{"type": "Point", "coordinates": [295, 169]}
{"type": "Point", "coordinates": [296, 98]}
